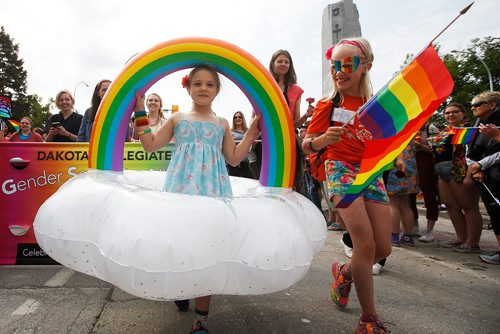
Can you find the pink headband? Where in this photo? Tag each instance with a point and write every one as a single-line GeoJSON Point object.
{"type": "Point", "coordinates": [328, 53]}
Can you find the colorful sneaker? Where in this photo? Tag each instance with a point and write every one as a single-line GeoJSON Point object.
{"type": "Point", "coordinates": [347, 249]}
{"type": "Point", "coordinates": [427, 236]}
{"type": "Point", "coordinates": [199, 329]}
{"type": "Point", "coordinates": [395, 239]}
{"type": "Point", "coordinates": [341, 286]}
{"type": "Point", "coordinates": [491, 259]}
{"type": "Point", "coordinates": [374, 326]}
{"type": "Point", "coordinates": [464, 248]}
{"type": "Point", "coordinates": [406, 240]}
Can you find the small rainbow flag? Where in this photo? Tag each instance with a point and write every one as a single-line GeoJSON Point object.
{"type": "Point", "coordinates": [396, 113]}
{"type": "Point", "coordinates": [463, 135]}
{"type": "Point", "coordinates": [14, 123]}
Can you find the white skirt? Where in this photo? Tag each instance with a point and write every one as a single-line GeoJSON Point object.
{"type": "Point", "coordinates": [119, 227]}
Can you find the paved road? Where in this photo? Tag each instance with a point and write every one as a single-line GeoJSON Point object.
{"type": "Point", "coordinates": [425, 289]}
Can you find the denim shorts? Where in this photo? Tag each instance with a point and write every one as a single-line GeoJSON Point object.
{"type": "Point", "coordinates": [443, 170]}
{"type": "Point", "coordinates": [340, 175]}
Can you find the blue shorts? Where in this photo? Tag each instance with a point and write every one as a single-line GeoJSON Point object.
{"type": "Point", "coordinates": [443, 170]}
{"type": "Point", "coordinates": [340, 175]}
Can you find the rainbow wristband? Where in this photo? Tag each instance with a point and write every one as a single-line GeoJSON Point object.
{"type": "Point", "coordinates": [148, 130]}
{"type": "Point", "coordinates": [141, 118]}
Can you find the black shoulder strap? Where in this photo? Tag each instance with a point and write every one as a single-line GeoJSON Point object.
{"type": "Point", "coordinates": [335, 104]}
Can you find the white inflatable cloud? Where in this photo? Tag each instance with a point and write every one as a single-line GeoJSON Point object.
{"type": "Point", "coordinates": [119, 227]}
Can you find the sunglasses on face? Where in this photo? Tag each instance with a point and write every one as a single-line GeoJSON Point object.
{"type": "Point", "coordinates": [477, 104]}
{"type": "Point", "coordinates": [237, 117]}
{"type": "Point", "coordinates": [346, 65]}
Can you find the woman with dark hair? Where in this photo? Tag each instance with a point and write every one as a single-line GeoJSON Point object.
{"type": "Point", "coordinates": [281, 68]}
{"type": "Point", "coordinates": [460, 196]}
{"type": "Point", "coordinates": [89, 116]}
{"type": "Point", "coordinates": [25, 133]}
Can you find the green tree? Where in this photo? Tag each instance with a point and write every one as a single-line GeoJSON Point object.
{"type": "Point", "coordinates": [13, 76]}
{"type": "Point", "coordinates": [469, 73]}
{"type": "Point", "coordinates": [39, 112]}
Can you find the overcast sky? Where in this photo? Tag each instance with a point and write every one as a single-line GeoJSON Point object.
{"type": "Point", "coordinates": [65, 42]}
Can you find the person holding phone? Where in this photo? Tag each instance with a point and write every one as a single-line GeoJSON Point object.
{"type": "Point", "coordinates": [64, 126]}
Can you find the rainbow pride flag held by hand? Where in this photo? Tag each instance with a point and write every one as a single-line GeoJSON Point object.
{"type": "Point", "coordinates": [463, 135]}
{"type": "Point", "coordinates": [396, 113]}
{"type": "Point", "coordinates": [14, 123]}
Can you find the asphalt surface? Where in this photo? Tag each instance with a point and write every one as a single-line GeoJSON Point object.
{"type": "Point", "coordinates": [423, 289]}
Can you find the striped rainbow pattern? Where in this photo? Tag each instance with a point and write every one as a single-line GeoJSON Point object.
{"type": "Point", "coordinates": [14, 123]}
{"type": "Point", "coordinates": [430, 84]}
{"type": "Point", "coordinates": [463, 135]}
{"type": "Point", "coordinates": [278, 138]}
{"type": "Point", "coordinates": [405, 97]}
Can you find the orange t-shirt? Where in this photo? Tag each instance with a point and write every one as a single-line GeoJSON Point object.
{"type": "Point", "coordinates": [352, 144]}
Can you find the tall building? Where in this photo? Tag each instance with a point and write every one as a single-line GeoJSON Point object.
{"type": "Point", "coordinates": [340, 20]}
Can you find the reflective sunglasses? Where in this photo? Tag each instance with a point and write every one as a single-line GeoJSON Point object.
{"type": "Point", "coordinates": [477, 104]}
{"type": "Point", "coordinates": [346, 65]}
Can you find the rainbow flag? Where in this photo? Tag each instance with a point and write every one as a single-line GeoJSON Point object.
{"type": "Point", "coordinates": [463, 135]}
{"type": "Point", "coordinates": [396, 113]}
{"type": "Point", "coordinates": [14, 123]}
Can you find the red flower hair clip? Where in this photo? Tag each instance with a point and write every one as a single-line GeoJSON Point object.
{"type": "Point", "coordinates": [185, 81]}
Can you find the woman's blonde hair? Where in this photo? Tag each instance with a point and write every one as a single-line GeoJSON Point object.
{"type": "Point", "coordinates": [367, 57]}
{"type": "Point", "coordinates": [160, 112]}
{"type": "Point", "coordinates": [61, 93]}
{"type": "Point", "coordinates": [488, 97]}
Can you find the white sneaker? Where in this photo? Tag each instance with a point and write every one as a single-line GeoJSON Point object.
{"type": "Point", "coordinates": [347, 249]}
{"type": "Point", "coordinates": [426, 236]}
{"type": "Point", "coordinates": [377, 267]}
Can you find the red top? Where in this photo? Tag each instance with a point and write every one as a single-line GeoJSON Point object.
{"type": "Point", "coordinates": [35, 137]}
{"type": "Point", "coordinates": [352, 144]}
{"type": "Point", "coordinates": [294, 93]}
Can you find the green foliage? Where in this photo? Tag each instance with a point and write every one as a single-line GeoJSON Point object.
{"type": "Point", "coordinates": [13, 78]}
{"type": "Point", "coordinates": [39, 112]}
{"type": "Point", "coordinates": [469, 73]}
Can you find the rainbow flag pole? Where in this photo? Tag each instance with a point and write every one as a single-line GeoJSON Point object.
{"type": "Point", "coordinates": [397, 111]}
{"type": "Point", "coordinates": [363, 107]}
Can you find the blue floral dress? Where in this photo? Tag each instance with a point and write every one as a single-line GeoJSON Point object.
{"type": "Point", "coordinates": [408, 183]}
{"type": "Point", "coordinates": [198, 166]}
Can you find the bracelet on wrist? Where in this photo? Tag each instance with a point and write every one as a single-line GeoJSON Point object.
{"type": "Point", "coordinates": [145, 131]}
{"type": "Point", "coordinates": [141, 118]}
{"type": "Point", "coordinates": [311, 147]}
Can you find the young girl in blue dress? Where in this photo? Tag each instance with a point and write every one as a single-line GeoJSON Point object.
{"type": "Point", "coordinates": [203, 144]}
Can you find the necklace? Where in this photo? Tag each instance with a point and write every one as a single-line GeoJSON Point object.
{"type": "Point", "coordinates": [154, 124]}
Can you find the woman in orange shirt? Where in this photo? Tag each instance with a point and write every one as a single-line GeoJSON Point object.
{"type": "Point", "coordinates": [366, 218]}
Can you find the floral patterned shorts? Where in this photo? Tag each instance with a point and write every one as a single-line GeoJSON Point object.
{"type": "Point", "coordinates": [340, 175]}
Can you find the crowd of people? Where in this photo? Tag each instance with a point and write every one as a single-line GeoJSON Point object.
{"type": "Point", "coordinates": [454, 176]}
